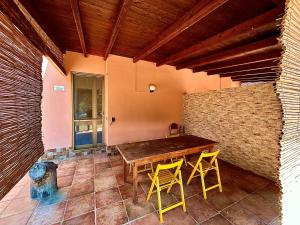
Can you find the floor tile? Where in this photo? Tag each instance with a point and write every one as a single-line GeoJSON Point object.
{"type": "Point", "coordinates": [199, 209]}
{"type": "Point", "coordinates": [139, 209]}
{"type": "Point", "coordinates": [220, 200]}
{"type": "Point", "coordinates": [127, 190]}
{"type": "Point", "coordinates": [19, 205]}
{"type": "Point", "coordinates": [79, 178]}
{"type": "Point", "coordinates": [118, 170]}
{"type": "Point", "coordinates": [62, 172]}
{"type": "Point", "coordinates": [3, 205]}
{"type": "Point", "coordinates": [79, 205]}
{"type": "Point", "coordinates": [104, 183]}
{"type": "Point", "coordinates": [150, 219]}
{"type": "Point", "coordinates": [270, 193]}
{"type": "Point", "coordinates": [64, 181]}
{"type": "Point", "coordinates": [85, 219]}
{"type": "Point", "coordinates": [84, 170]}
{"type": "Point", "coordinates": [251, 182]}
{"type": "Point", "coordinates": [18, 219]}
{"type": "Point", "coordinates": [82, 188]}
{"type": "Point", "coordinates": [115, 157]}
{"type": "Point", "coordinates": [102, 166]}
{"type": "Point", "coordinates": [45, 215]}
{"type": "Point", "coordinates": [107, 197]}
{"type": "Point", "coordinates": [263, 209]}
{"type": "Point", "coordinates": [166, 199]}
{"type": "Point", "coordinates": [240, 216]}
{"type": "Point", "coordinates": [178, 217]}
{"type": "Point", "coordinates": [100, 159]}
{"type": "Point", "coordinates": [217, 220]}
{"type": "Point", "coordinates": [114, 214]}
{"type": "Point", "coordinates": [12, 193]}
{"type": "Point", "coordinates": [108, 172]}
{"type": "Point", "coordinates": [116, 163]}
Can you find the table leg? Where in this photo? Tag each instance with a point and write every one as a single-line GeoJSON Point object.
{"type": "Point", "coordinates": [135, 183]}
{"type": "Point", "coordinates": [125, 171]}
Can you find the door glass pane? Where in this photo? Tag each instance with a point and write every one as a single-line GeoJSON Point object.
{"type": "Point", "coordinates": [83, 97]}
{"type": "Point", "coordinates": [83, 133]}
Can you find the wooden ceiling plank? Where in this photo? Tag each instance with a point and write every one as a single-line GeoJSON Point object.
{"type": "Point", "coordinates": [202, 9]}
{"type": "Point", "coordinates": [122, 11]}
{"type": "Point", "coordinates": [248, 60]}
{"type": "Point", "coordinates": [259, 25]}
{"type": "Point", "coordinates": [9, 8]}
{"type": "Point", "coordinates": [252, 73]}
{"type": "Point", "coordinates": [261, 46]}
{"type": "Point", "coordinates": [243, 68]}
{"type": "Point", "coordinates": [256, 79]}
{"type": "Point", "coordinates": [77, 19]}
{"type": "Point", "coordinates": [278, 2]}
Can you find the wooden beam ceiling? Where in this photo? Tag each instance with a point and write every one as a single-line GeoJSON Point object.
{"type": "Point", "coordinates": [243, 68]}
{"type": "Point", "coordinates": [273, 56]}
{"type": "Point", "coordinates": [255, 79]}
{"type": "Point", "coordinates": [37, 38]}
{"type": "Point", "coordinates": [197, 13]}
{"type": "Point", "coordinates": [77, 19]}
{"type": "Point", "coordinates": [261, 24]}
{"type": "Point", "coordinates": [123, 8]}
{"type": "Point", "coordinates": [250, 72]}
{"type": "Point", "coordinates": [261, 46]}
{"type": "Point", "coordinates": [255, 76]}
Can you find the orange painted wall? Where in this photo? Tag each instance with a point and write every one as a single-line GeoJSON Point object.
{"type": "Point", "coordinates": [140, 115]}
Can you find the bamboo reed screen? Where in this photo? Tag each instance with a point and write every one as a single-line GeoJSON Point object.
{"type": "Point", "coordinates": [288, 88]}
{"type": "Point", "coordinates": [20, 105]}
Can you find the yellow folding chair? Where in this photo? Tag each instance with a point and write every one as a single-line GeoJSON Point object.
{"type": "Point", "coordinates": [203, 167]}
{"type": "Point", "coordinates": [164, 178]}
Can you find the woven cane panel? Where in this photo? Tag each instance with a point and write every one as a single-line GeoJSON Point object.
{"type": "Point", "coordinates": [246, 121]}
{"type": "Point", "coordinates": [20, 100]}
{"type": "Point", "coordinates": [288, 88]}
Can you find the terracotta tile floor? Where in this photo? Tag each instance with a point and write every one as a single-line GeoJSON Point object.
{"type": "Point", "coordinates": [94, 193]}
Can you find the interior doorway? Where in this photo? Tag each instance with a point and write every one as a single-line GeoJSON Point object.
{"type": "Point", "coordinates": [87, 110]}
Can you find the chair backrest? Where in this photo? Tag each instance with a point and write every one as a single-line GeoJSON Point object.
{"type": "Point", "coordinates": [174, 165]}
{"type": "Point", "coordinates": [211, 155]}
{"type": "Point", "coordinates": [174, 128]}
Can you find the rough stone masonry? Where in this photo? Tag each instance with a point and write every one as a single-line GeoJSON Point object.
{"type": "Point", "coordinates": [246, 121]}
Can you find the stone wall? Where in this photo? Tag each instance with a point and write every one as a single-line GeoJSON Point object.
{"type": "Point", "coordinates": [246, 121]}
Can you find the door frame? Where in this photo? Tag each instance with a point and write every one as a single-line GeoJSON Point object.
{"type": "Point", "coordinates": [73, 74]}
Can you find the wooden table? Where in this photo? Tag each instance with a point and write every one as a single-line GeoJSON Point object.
{"type": "Point", "coordinates": [145, 152]}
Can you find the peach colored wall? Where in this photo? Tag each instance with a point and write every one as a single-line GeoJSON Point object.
{"type": "Point", "coordinates": [140, 115]}
{"type": "Point", "coordinates": [56, 110]}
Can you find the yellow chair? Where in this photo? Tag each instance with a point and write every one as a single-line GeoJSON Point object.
{"type": "Point", "coordinates": [202, 166]}
{"type": "Point", "coordinates": [164, 178]}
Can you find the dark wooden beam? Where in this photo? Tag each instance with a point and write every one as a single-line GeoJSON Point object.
{"type": "Point", "coordinates": [122, 11]}
{"type": "Point", "coordinates": [255, 79]}
{"type": "Point", "coordinates": [258, 47]}
{"type": "Point", "coordinates": [251, 72]}
{"type": "Point", "coordinates": [243, 68]}
{"type": "Point", "coordinates": [9, 8]}
{"type": "Point", "coordinates": [254, 76]}
{"type": "Point", "coordinates": [259, 25]}
{"type": "Point", "coordinates": [273, 56]}
{"type": "Point", "coordinates": [77, 19]}
{"type": "Point", "coordinates": [197, 13]}
{"type": "Point", "coordinates": [279, 2]}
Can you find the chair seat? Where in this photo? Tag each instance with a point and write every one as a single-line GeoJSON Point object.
{"type": "Point", "coordinates": [205, 165]}
{"type": "Point", "coordinates": [164, 176]}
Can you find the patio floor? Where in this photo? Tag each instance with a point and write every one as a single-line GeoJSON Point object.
{"type": "Point", "coordinates": [94, 193]}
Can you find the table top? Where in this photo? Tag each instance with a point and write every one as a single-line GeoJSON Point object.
{"type": "Point", "coordinates": [132, 152]}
